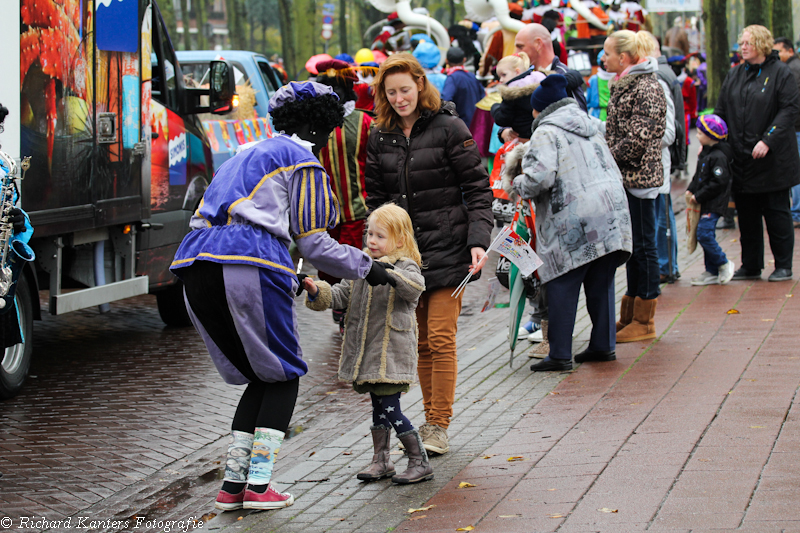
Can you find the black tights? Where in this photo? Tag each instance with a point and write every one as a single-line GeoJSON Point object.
{"type": "Point", "coordinates": [386, 412]}
{"type": "Point", "coordinates": [266, 405]}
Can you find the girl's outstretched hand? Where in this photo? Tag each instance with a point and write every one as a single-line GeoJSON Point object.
{"type": "Point", "coordinates": [310, 286]}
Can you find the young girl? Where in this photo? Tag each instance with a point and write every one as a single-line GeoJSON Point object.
{"type": "Point", "coordinates": [379, 347]}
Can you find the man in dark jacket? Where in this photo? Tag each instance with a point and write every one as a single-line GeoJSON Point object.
{"type": "Point", "coordinates": [759, 101]}
{"type": "Point", "coordinates": [461, 87]}
{"type": "Point", "coordinates": [786, 52]}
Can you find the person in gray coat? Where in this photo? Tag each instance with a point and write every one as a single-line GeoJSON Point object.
{"type": "Point", "coordinates": [379, 347]}
{"type": "Point", "coordinates": [583, 226]}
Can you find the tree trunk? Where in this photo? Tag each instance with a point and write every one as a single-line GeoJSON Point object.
{"type": "Point", "coordinates": [452, 13]}
{"type": "Point", "coordinates": [782, 25]}
{"type": "Point", "coordinates": [343, 44]}
{"type": "Point", "coordinates": [233, 24]}
{"type": "Point", "coordinates": [287, 36]}
{"type": "Point", "coordinates": [716, 25]}
{"type": "Point", "coordinates": [168, 14]}
{"type": "Point", "coordinates": [187, 39]}
{"type": "Point", "coordinates": [306, 14]}
{"type": "Point", "coordinates": [201, 9]}
{"type": "Point", "coordinates": [758, 12]}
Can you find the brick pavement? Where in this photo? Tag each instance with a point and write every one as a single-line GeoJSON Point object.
{"type": "Point", "coordinates": [656, 435]}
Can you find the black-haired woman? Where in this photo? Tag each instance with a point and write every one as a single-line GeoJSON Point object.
{"type": "Point", "coordinates": [240, 281]}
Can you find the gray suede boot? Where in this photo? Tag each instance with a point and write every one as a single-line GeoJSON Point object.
{"type": "Point", "coordinates": [419, 469]}
{"type": "Point", "coordinates": [381, 466]}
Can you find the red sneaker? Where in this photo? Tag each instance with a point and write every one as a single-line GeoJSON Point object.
{"type": "Point", "coordinates": [271, 499]}
{"type": "Point", "coordinates": [230, 502]}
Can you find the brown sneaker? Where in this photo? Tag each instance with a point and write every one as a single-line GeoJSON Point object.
{"type": "Point", "coordinates": [423, 430]}
{"type": "Point", "coordinates": [435, 440]}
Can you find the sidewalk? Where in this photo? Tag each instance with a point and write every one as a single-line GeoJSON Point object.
{"type": "Point", "coordinates": [696, 431]}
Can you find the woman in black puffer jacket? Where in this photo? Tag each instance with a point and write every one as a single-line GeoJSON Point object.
{"type": "Point", "coordinates": [422, 157]}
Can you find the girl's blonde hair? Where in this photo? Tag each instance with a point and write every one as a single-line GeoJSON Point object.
{"type": "Point", "coordinates": [760, 39]}
{"type": "Point", "coordinates": [636, 45]}
{"type": "Point", "coordinates": [518, 60]}
{"type": "Point", "coordinates": [397, 222]}
{"type": "Point", "coordinates": [429, 99]}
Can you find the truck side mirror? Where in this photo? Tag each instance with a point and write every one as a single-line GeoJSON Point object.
{"type": "Point", "coordinates": [222, 88]}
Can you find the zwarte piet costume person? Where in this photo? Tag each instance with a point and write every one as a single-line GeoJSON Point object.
{"type": "Point", "coordinates": [240, 281]}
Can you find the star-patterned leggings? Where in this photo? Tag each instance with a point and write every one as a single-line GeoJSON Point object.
{"type": "Point", "coordinates": [386, 412]}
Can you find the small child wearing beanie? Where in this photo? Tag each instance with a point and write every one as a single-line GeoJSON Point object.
{"type": "Point", "coordinates": [711, 187]}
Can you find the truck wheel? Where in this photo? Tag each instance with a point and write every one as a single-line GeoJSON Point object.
{"type": "Point", "coordinates": [171, 306]}
{"type": "Point", "coordinates": [17, 359]}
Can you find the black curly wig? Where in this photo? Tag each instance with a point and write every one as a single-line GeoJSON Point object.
{"type": "Point", "coordinates": [324, 113]}
{"type": "Point", "coordinates": [342, 86]}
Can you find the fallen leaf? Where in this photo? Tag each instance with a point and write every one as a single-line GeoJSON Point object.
{"type": "Point", "coordinates": [757, 427]}
{"type": "Point", "coordinates": [240, 518]}
{"type": "Point", "coordinates": [509, 516]}
{"type": "Point", "coordinates": [733, 312]}
{"type": "Point", "coordinates": [556, 516]}
{"type": "Point", "coordinates": [473, 348]}
{"type": "Point", "coordinates": [464, 485]}
{"type": "Point", "coordinates": [515, 458]}
{"type": "Point", "coordinates": [752, 380]}
{"type": "Point", "coordinates": [489, 455]}
{"type": "Point", "coordinates": [396, 452]}
{"type": "Point", "coordinates": [418, 517]}
{"type": "Point", "coordinates": [767, 320]}
{"type": "Point", "coordinates": [554, 393]}
{"type": "Point", "coordinates": [468, 528]}
{"type": "Point", "coordinates": [730, 392]}
{"type": "Point", "coordinates": [704, 460]}
{"type": "Point", "coordinates": [337, 519]}
{"type": "Point", "coordinates": [312, 453]}
{"type": "Point", "coordinates": [552, 489]}
{"type": "Point", "coordinates": [347, 453]}
{"type": "Point", "coordinates": [332, 392]}
{"type": "Point", "coordinates": [607, 510]}
{"type": "Point", "coordinates": [733, 240]}
{"type": "Point", "coordinates": [428, 508]}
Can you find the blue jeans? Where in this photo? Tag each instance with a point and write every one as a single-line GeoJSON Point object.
{"type": "Point", "coordinates": [665, 215]}
{"type": "Point", "coordinates": [707, 239]}
{"type": "Point", "coordinates": [796, 192]}
{"type": "Point", "coordinates": [642, 268]}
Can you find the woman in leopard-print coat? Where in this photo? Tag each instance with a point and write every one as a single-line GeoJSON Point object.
{"type": "Point", "coordinates": [637, 118]}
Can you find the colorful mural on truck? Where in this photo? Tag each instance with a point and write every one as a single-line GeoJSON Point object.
{"type": "Point", "coordinates": [80, 58]}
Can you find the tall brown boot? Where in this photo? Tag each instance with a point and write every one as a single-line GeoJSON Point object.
{"type": "Point", "coordinates": [381, 466]}
{"type": "Point", "coordinates": [625, 312]}
{"type": "Point", "coordinates": [419, 469]}
{"type": "Point", "coordinates": [643, 326]}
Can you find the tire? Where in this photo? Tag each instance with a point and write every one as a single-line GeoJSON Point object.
{"type": "Point", "coordinates": [172, 307]}
{"type": "Point", "coordinates": [17, 359]}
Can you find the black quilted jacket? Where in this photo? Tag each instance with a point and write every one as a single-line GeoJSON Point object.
{"type": "Point", "coordinates": [437, 176]}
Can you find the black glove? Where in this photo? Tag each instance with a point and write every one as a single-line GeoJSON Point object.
{"type": "Point", "coordinates": [300, 278]}
{"type": "Point", "coordinates": [16, 218]}
{"type": "Point", "coordinates": [377, 274]}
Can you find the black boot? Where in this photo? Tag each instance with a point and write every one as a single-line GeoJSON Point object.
{"type": "Point", "coordinates": [552, 365]}
{"type": "Point", "coordinates": [591, 355]}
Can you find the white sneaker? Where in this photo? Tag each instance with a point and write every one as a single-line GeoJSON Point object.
{"type": "Point", "coordinates": [706, 278]}
{"type": "Point", "coordinates": [536, 336]}
{"type": "Point", "coordinates": [726, 272]}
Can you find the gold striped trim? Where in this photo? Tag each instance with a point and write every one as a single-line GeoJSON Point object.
{"type": "Point", "coordinates": [291, 168]}
{"type": "Point", "coordinates": [234, 258]}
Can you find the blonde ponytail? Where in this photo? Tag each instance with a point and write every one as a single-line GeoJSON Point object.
{"type": "Point", "coordinates": [518, 60]}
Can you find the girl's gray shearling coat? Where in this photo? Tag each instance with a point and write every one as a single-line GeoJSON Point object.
{"type": "Point", "coordinates": [380, 331]}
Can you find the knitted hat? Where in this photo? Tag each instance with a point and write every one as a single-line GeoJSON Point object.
{"type": "Point", "coordinates": [427, 54]}
{"type": "Point", "coordinates": [296, 91]}
{"type": "Point", "coordinates": [552, 89]}
{"type": "Point", "coordinates": [713, 127]}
